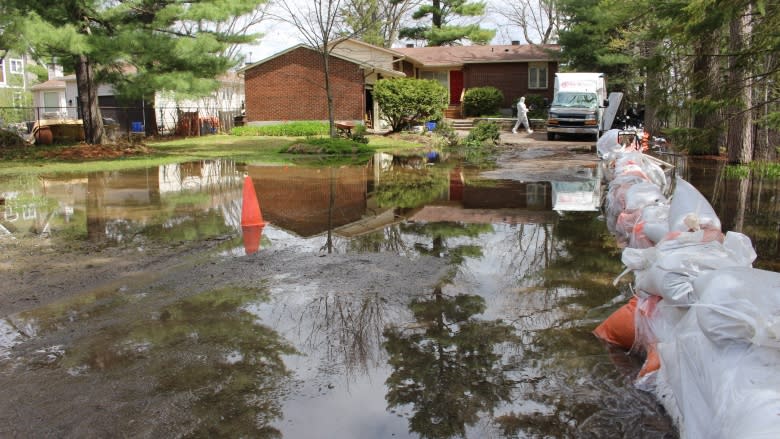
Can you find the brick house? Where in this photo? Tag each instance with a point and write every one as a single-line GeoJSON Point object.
{"type": "Point", "coordinates": [289, 85]}
{"type": "Point", "coordinates": [517, 70]}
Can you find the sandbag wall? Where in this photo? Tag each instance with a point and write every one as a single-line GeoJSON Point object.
{"type": "Point", "coordinates": [707, 322]}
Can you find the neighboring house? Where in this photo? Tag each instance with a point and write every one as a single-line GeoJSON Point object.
{"type": "Point", "coordinates": [289, 85]}
{"type": "Point", "coordinates": [15, 81]}
{"type": "Point", "coordinates": [517, 70]}
{"type": "Point", "coordinates": [57, 98]}
{"type": "Point", "coordinates": [223, 104]}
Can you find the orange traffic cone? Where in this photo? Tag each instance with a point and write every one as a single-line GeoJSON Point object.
{"type": "Point", "coordinates": [252, 237]}
{"type": "Point", "coordinates": [250, 209]}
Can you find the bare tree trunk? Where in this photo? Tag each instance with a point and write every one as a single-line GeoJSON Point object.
{"type": "Point", "coordinates": [88, 101]}
{"type": "Point", "coordinates": [328, 91]}
{"type": "Point", "coordinates": [764, 149]}
{"type": "Point", "coordinates": [652, 91]}
{"type": "Point", "coordinates": [705, 85]}
{"type": "Point", "coordinates": [740, 133]}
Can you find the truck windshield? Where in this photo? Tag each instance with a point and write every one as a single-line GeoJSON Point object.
{"type": "Point", "coordinates": [575, 99]}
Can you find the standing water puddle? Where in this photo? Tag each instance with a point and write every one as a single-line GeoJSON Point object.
{"type": "Point", "coordinates": [499, 346]}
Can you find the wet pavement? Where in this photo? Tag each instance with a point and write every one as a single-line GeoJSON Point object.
{"type": "Point", "coordinates": [400, 297]}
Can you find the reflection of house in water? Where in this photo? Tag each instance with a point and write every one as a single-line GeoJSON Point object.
{"type": "Point", "coordinates": [503, 201]}
{"type": "Point", "coordinates": [310, 201]}
{"type": "Point", "coordinates": [115, 204]}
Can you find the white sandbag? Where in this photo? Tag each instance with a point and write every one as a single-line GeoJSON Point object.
{"type": "Point", "coordinates": [720, 392]}
{"type": "Point", "coordinates": [739, 304]}
{"type": "Point", "coordinates": [656, 219]}
{"type": "Point", "coordinates": [689, 210]}
{"type": "Point", "coordinates": [670, 268]}
{"type": "Point", "coordinates": [641, 165]}
{"type": "Point", "coordinates": [608, 145]}
{"type": "Point", "coordinates": [643, 194]}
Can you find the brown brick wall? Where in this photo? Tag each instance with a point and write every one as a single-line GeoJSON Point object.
{"type": "Point", "coordinates": [510, 78]}
{"type": "Point", "coordinates": [291, 87]}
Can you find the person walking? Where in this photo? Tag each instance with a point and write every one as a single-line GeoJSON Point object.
{"type": "Point", "coordinates": [522, 117]}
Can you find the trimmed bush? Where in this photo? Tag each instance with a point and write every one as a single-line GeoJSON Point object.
{"type": "Point", "coordinates": [327, 146]}
{"type": "Point", "coordinates": [405, 101]}
{"type": "Point", "coordinates": [482, 101]}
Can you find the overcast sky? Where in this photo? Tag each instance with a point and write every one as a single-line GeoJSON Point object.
{"type": "Point", "coordinates": [280, 36]}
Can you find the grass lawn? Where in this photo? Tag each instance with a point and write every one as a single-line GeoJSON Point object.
{"type": "Point", "coordinates": [261, 149]}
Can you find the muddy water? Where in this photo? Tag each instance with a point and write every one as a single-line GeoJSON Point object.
{"type": "Point", "coordinates": [499, 347]}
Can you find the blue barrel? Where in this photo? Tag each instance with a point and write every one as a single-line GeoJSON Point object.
{"type": "Point", "coordinates": [137, 127]}
{"type": "Point", "coordinates": [430, 125]}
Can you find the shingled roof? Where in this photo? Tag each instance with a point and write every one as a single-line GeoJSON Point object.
{"type": "Point", "coordinates": [446, 56]}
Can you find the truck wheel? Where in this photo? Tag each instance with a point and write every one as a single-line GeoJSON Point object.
{"type": "Point", "coordinates": [550, 136]}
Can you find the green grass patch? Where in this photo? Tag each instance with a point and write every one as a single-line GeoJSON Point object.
{"type": "Point", "coordinates": [289, 129]}
{"type": "Point", "coordinates": [767, 170]}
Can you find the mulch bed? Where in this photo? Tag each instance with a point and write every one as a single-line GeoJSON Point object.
{"type": "Point", "coordinates": [84, 151]}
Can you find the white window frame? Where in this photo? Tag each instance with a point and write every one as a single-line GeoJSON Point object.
{"type": "Point", "coordinates": [538, 75]}
{"type": "Point", "coordinates": [2, 71]}
{"type": "Point", "coordinates": [16, 66]}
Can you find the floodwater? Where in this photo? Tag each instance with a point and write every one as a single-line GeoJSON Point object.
{"type": "Point", "coordinates": [502, 347]}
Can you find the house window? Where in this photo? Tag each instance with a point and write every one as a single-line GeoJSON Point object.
{"type": "Point", "coordinates": [442, 77]}
{"type": "Point", "coordinates": [16, 66]}
{"type": "Point", "coordinates": [2, 72]}
{"type": "Point", "coordinates": [537, 76]}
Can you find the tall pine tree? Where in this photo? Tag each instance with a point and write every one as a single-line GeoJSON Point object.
{"type": "Point", "coordinates": [139, 46]}
{"type": "Point", "coordinates": [442, 31]}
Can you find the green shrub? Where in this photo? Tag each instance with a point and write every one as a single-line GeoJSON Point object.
{"type": "Point", "coordinates": [482, 101]}
{"type": "Point", "coordinates": [327, 146]}
{"type": "Point", "coordinates": [484, 131]}
{"type": "Point", "coordinates": [447, 134]}
{"type": "Point", "coordinates": [359, 134]}
{"type": "Point", "coordinates": [405, 101]}
{"type": "Point", "coordinates": [289, 129]}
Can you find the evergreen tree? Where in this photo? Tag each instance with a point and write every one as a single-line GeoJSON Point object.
{"type": "Point", "coordinates": [442, 31]}
{"type": "Point", "coordinates": [139, 46]}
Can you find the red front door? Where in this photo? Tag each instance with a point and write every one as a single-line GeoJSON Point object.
{"type": "Point", "coordinates": [456, 86]}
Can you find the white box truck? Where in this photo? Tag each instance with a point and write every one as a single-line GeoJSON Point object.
{"type": "Point", "coordinates": [579, 103]}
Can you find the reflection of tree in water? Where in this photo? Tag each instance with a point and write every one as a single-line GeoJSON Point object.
{"type": "Point", "coordinates": [446, 365]}
{"type": "Point", "coordinates": [209, 351]}
{"type": "Point", "coordinates": [345, 328]}
{"type": "Point", "coordinates": [566, 370]}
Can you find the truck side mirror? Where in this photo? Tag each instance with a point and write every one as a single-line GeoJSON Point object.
{"type": "Point", "coordinates": [546, 103]}
{"type": "Point", "coordinates": [606, 103]}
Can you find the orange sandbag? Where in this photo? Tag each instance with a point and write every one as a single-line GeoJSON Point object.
{"type": "Point", "coordinates": [652, 362]}
{"type": "Point", "coordinates": [619, 328]}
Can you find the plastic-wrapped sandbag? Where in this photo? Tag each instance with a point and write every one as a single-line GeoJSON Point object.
{"type": "Point", "coordinates": [739, 304]}
{"type": "Point", "coordinates": [689, 210]}
{"type": "Point", "coordinates": [719, 392]}
{"type": "Point", "coordinates": [641, 165]}
{"type": "Point", "coordinates": [643, 194]}
{"type": "Point", "coordinates": [655, 219]}
{"type": "Point", "coordinates": [608, 145]}
{"type": "Point", "coordinates": [669, 269]}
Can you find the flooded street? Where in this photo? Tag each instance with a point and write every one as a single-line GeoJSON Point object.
{"type": "Point", "coordinates": [396, 297]}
